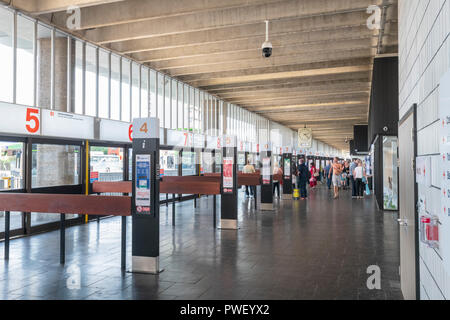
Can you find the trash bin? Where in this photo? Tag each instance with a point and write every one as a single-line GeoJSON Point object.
{"type": "Point", "coordinates": [296, 195]}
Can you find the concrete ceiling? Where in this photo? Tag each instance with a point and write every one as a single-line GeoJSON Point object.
{"type": "Point", "coordinates": [319, 74]}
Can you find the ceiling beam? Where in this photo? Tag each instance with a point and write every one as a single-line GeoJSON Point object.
{"type": "Point", "coordinates": [141, 10]}
{"type": "Point", "coordinates": [271, 74]}
{"type": "Point", "coordinates": [318, 10]}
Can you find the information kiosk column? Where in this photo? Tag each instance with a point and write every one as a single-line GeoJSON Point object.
{"type": "Point", "coordinates": [145, 196]}
{"type": "Point", "coordinates": [266, 177]}
{"type": "Point", "coordinates": [287, 173]}
{"type": "Point", "coordinates": [229, 188]}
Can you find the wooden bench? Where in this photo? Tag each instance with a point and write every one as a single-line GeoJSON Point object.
{"type": "Point", "coordinates": [171, 185]}
{"type": "Point", "coordinates": [63, 204]}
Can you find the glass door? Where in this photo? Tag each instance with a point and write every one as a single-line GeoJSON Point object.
{"type": "Point", "coordinates": [55, 168]}
{"type": "Point", "coordinates": [12, 164]}
{"type": "Point", "coordinates": [390, 173]}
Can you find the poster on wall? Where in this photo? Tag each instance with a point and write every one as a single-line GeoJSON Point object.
{"type": "Point", "coordinates": [423, 171]}
{"type": "Point", "coordinates": [228, 175]}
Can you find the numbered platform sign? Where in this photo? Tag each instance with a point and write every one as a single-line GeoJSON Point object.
{"type": "Point", "coordinates": [19, 119]}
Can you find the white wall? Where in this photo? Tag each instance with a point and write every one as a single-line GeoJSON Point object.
{"type": "Point", "coordinates": [424, 57]}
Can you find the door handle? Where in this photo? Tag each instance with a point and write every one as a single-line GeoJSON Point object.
{"type": "Point", "coordinates": [402, 222]}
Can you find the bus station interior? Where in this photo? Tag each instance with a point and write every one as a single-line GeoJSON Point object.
{"type": "Point", "coordinates": [89, 89]}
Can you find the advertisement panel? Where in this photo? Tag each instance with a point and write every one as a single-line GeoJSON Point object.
{"type": "Point", "coordinates": [228, 175]}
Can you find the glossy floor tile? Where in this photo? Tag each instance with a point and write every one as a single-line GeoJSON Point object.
{"type": "Point", "coordinates": [315, 249]}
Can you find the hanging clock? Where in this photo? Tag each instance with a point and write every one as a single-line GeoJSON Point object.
{"type": "Point", "coordinates": [305, 137]}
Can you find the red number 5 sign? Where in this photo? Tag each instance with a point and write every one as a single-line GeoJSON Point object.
{"type": "Point", "coordinates": [32, 123]}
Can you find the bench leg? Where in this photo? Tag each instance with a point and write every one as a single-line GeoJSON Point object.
{"type": "Point", "coordinates": [62, 239]}
{"type": "Point", "coordinates": [167, 199]}
{"type": "Point", "coordinates": [214, 210]}
{"type": "Point", "coordinates": [7, 226]}
{"type": "Point", "coordinates": [123, 250]}
{"type": "Point", "coordinates": [173, 210]}
{"type": "Point", "coordinates": [195, 201]}
{"type": "Point", "coordinates": [255, 191]}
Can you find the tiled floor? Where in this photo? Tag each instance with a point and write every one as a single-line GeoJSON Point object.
{"type": "Point", "coordinates": [314, 249]}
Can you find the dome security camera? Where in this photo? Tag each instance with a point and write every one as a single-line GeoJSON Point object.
{"type": "Point", "coordinates": [267, 45]}
{"type": "Point", "coordinates": [266, 49]}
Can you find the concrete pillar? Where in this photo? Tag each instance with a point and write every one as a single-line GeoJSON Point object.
{"type": "Point", "coordinates": [54, 164]}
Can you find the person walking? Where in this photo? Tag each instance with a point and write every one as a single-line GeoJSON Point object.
{"type": "Point", "coordinates": [335, 175]}
{"type": "Point", "coordinates": [302, 179]}
{"type": "Point", "coordinates": [326, 173]}
{"type": "Point", "coordinates": [353, 165]}
{"type": "Point", "coordinates": [313, 180]}
{"type": "Point", "coordinates": [277, 174]}
{"type": "Point", "coordinates": [249, 169]}
{"type": "Point", "coordinates": [359, 173]}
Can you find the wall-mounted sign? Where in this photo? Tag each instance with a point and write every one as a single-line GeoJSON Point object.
{"type": "Point", "coordinates": [179, 138]}
{"type": "Point", "coordinates": [287, 150]}
{"type": "Point", "coordinates": [112, 130]}
{"type": "Point", "coordinates": [229, 141]}
{"type": "Point", "coordinates": [19, 119]}
{"type": "Point", "coordinates": [305, 137]}
{"type": "Point", "coordinates": [68, 125]}
{"type": "Point", "coordinates": [212, 142]}
{"type": "Point", "coordinates": [199, 141]}
{"type": "Point", "coordinates": [423, 171]}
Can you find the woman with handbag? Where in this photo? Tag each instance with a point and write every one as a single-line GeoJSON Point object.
{"type": "Point", "coordinates": [314, 175]}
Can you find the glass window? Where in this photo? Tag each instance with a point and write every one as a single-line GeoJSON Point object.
{"type": "Point", "coordinates": [78, 83]}
{"type": "Point", "coordinates": [107, 162]}
{"type": "Point", "coordinates": [186, 108]}
{"type": "Point", "coordinates": [167, 103]}
{"type": "Point", "coordinates": [144, 92]}
{"type": "Point", "coordinates": [91, 80]}
{"type": "Point", "coordinates": [160, 99]}
{"type": "Point", "coordinates": [126, 90]}
{"type": "Point", "coordinates": [191, 109]}
{"type": "Point", "coordinates": [202, 111]}
{"type": "Point", "coordinates": [218, 156]}
{"type": "Point", "coordinates": [135, 91]}
{"type": "Point", "coordinates": [6, 55]}
{"type": "Point", "coordinates": [55, 165]}
{"type": "Point", "coordinates": [44, 61]}
{"type": "Point", "coordinates": [180, 106]}
{"type": "Point", "coordinates": [188, 163]}
{"type": "Point", "coordinates": [196, 111]}
{"type": "Point", "coordinates": [153, 94]}
{"type": "Point", "coordinates": [103, 84]}
{"type": "Point", "coordinates": [11, 165]}
{"type": "Point", "coordinates": [115, 87]}
{"type": "Point", "coordinates": [390, 173]}
{"type": "Point", "coordinates": [61, 42]}
{"type": "Point", "coordinates": [169, 162]}
{"type": "Point", "coordinates": [11, 177]}
{"type": "Point", "coordinates": [25, 61]}
{"type": "Point", "coordinates": [174, 117]}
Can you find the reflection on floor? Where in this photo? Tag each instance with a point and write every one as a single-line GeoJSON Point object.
{"type": "Point", "coordinates": [315, 249]}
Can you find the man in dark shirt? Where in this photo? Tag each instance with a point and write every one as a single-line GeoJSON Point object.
{"type": "Point", "coordinates": [303, 174]}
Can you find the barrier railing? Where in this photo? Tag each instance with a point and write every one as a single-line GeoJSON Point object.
{"type": "Point", "coordinates": [63, 204]}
